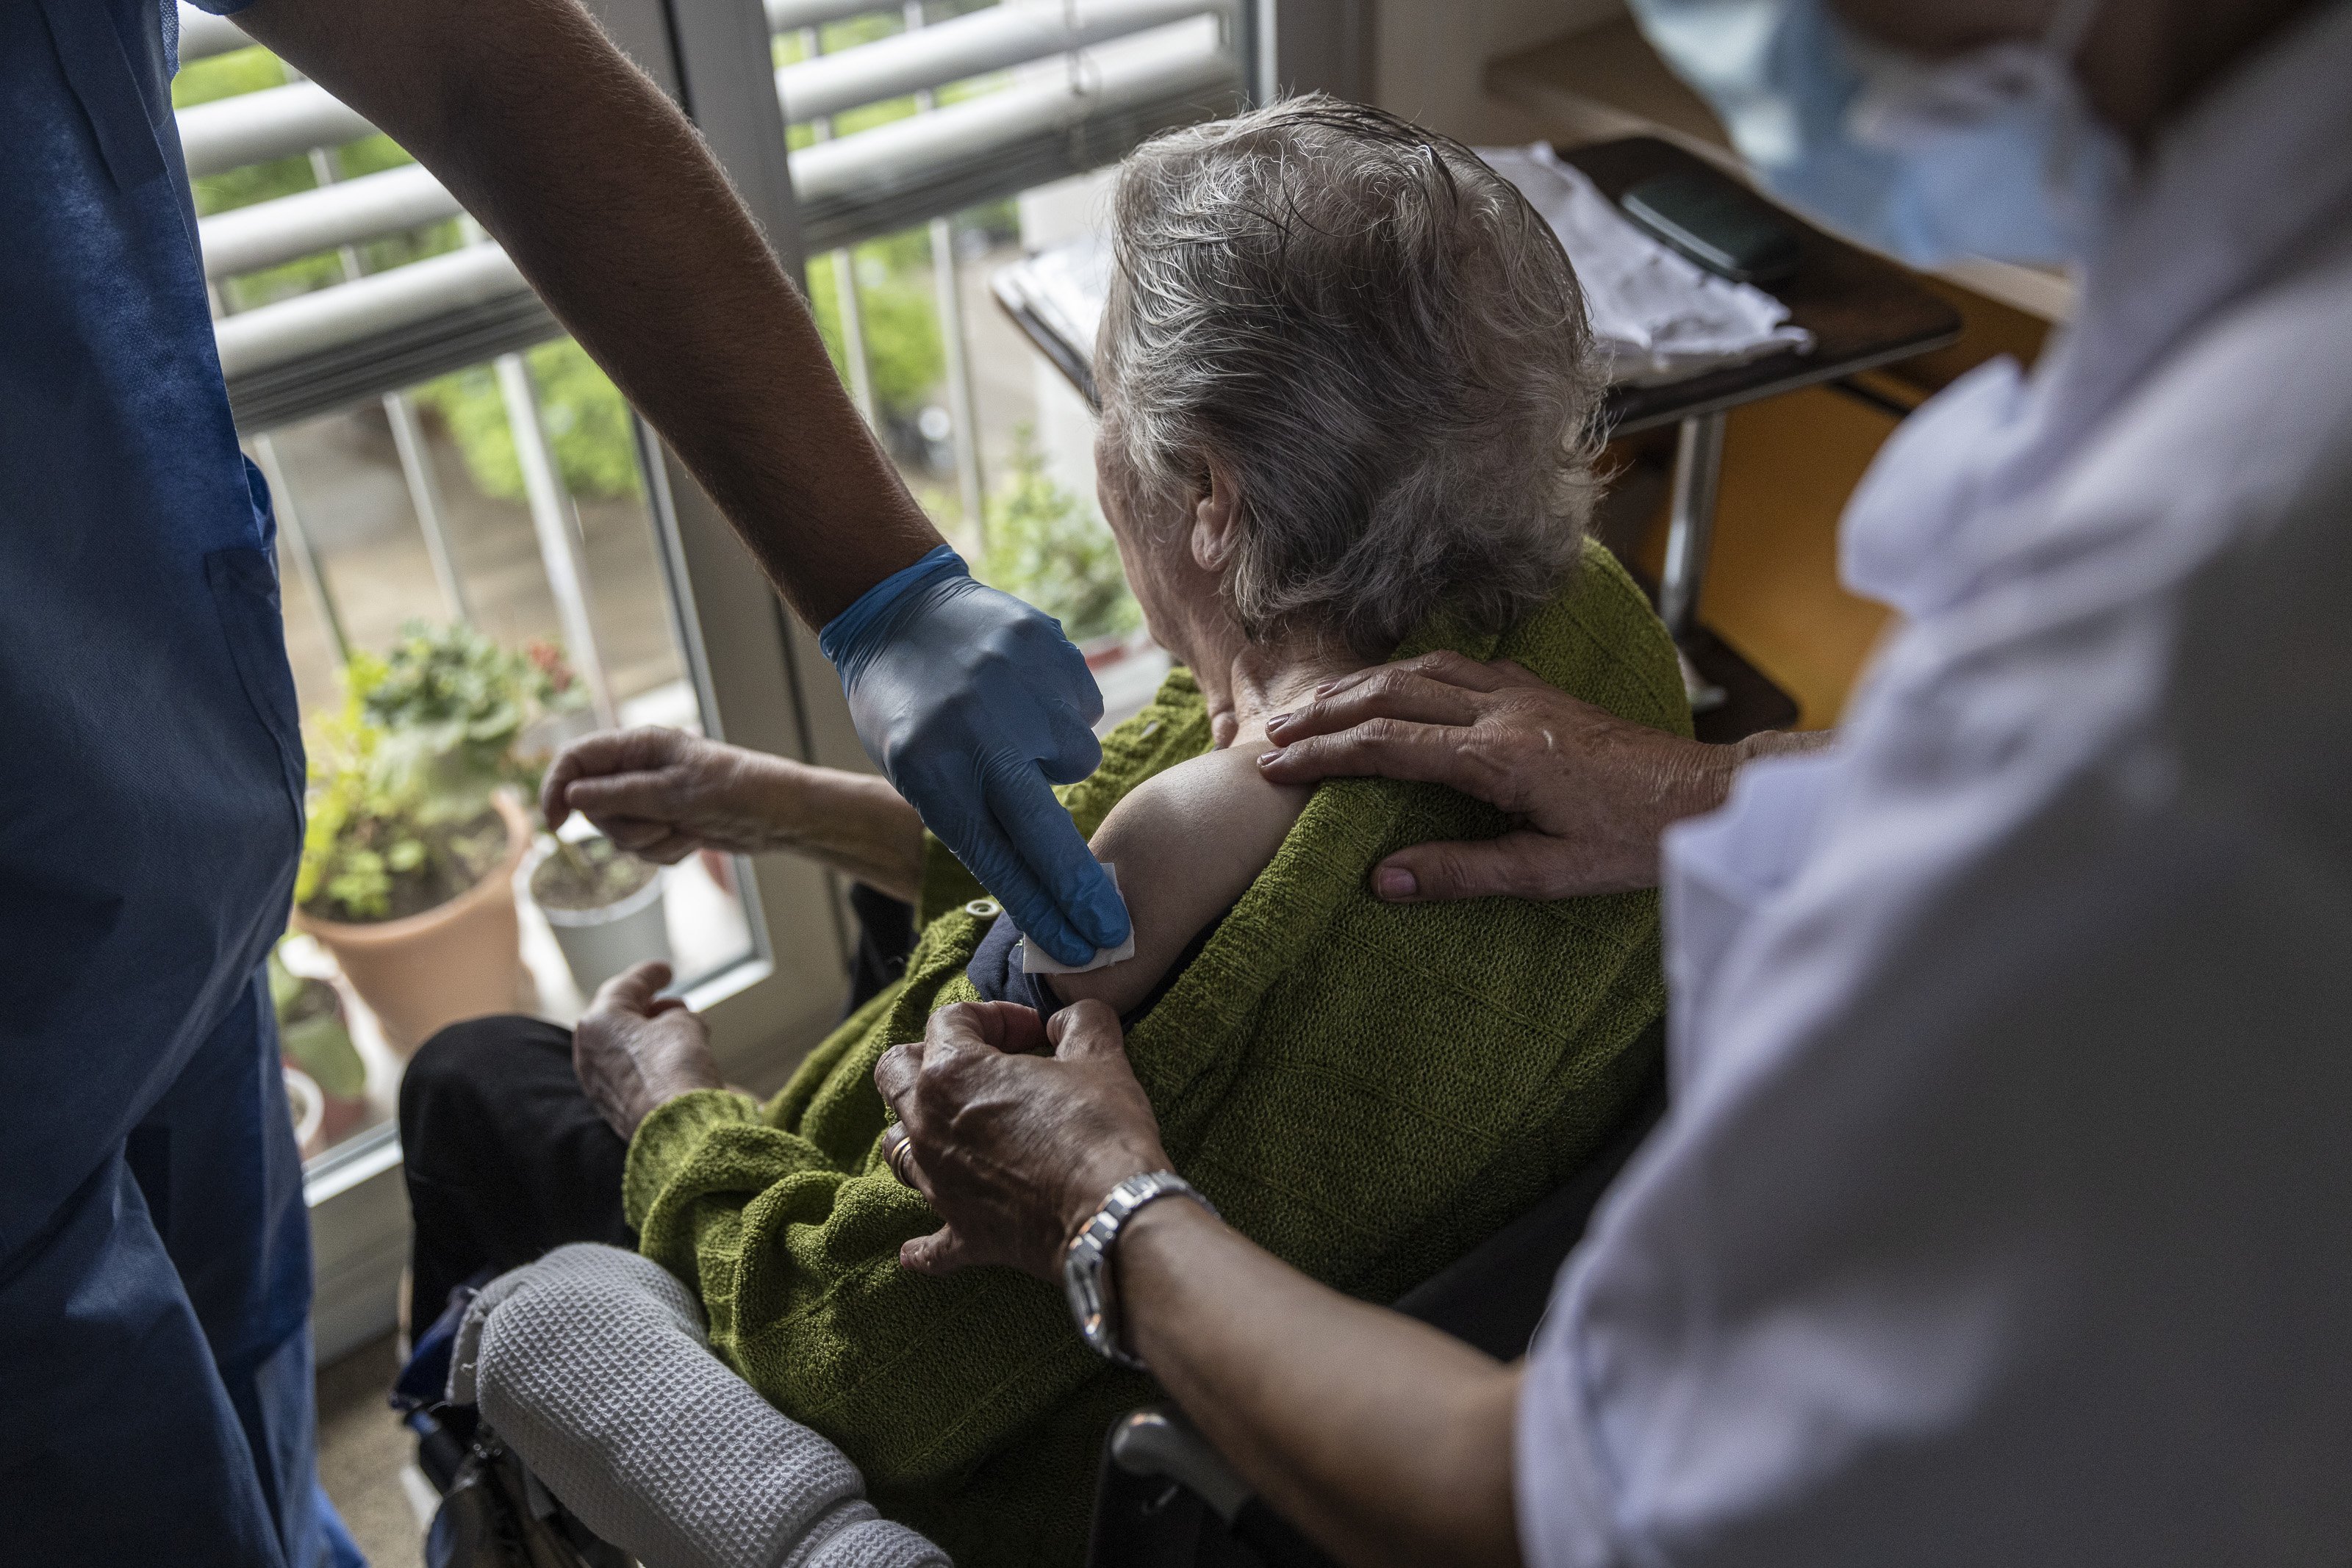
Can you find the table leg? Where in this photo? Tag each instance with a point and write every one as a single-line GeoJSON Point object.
{"type": "Point", "coordinates": [1698, 469]}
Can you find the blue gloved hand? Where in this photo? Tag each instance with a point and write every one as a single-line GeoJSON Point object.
{"type": "Point", "coordinates": [970, 701]}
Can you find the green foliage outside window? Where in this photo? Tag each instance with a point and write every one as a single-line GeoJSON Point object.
{"type": "Point", "coordinates": [904, 354]}
{"type": "Point", "coordinates": [1047, 546]}
{"type": "Point", "coordinates": [401, 776]}
{"type": "Point", "coordinates": [253, 69]}
{"type": "Point", "coordinates": [586, 420]}
{"type": "Point", "coordinates": [461, 703]}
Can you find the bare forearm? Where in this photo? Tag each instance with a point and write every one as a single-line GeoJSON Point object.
{"type": "Point", "coordinates": [854, 823]}
{"type": "Point", "coordinates": [1385, 1440]}
{"type": "Point", "coordinates": [616, 210]}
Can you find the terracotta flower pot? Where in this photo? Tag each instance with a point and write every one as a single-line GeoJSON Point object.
{"type": "Point", "coordinates": [458, 961]}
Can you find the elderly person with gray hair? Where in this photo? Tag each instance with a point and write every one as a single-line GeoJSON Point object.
{"type": "Point", "coordinates": [1348, 412]}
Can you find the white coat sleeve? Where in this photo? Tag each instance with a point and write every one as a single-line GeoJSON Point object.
{"type": "Point", "coordinates": [2004, 1211]}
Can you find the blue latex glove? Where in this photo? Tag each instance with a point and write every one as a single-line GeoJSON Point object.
{"type": "Point", "coordinates": [971, 701]}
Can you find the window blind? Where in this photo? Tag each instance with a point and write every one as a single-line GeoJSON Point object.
{"type": "Point", "coordinates": [1041, 89]}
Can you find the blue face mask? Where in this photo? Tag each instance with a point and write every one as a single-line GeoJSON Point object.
{"type": "Point", "coordinates": [1992, 153]}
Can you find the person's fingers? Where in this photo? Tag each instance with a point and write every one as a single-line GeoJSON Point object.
{"type": "Point", "coordinates": [1384, 747]}
{"type": "Point", "coordinates": [1224, 723]}
{"type": "Point", "coordinates": [1050, 844]}
{"type": "Point", "coordinates": [1086, 1029]}
{"type": "Point", "coordinates": [635, 834]}
{"type": "Point", "coordinates": [650, 796]}
{"type": "Point", "coordinates": [554, 804]}
{"type": "Point", "coordinates": [941, 1252]}
{"type": "Point", "coordinates": [899, 1153]}
{"type": "Point", "coordinates": [968, 1024]}
{"type": "Point", "coordinates": [1452, 668]}
{"type": "Point", "coordinates": [1073, 751]}
{"type": "Point", "coordinates": [1008, 1027]}
{"type": "Point", "coordinates": [990, 852]}
{"type": "Point", "coordinates": [668, 850]}
{"type": "Point", "coordinates": [896, 1073]}
{"type": "Point", "coordinates": [632, 990]}
{"type": "Point", "coordinates": [607, 751]}
{"type": "Point", "coordinates": [1511, 672]}
{"type": "Point", "coordinates": [1516, 865]}
{"type": "Point", "coordinates": [1390, 694]}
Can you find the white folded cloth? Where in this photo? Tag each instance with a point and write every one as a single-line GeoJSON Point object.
{"type": "Point", "coordinates": [592, 1364]}
{"type": "Point", "coordinates": [1660, 317]}
{"type": "Point", "coordinates": [1065, 287]}
{"type": "Point", "coordinates": [1657, 316]}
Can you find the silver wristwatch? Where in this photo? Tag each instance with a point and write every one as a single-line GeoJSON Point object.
{"type": "Point", "coordinates": [1085, 1279]}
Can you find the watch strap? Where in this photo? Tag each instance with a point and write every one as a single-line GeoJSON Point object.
{"type": "Point", "coordinates": [1085, 1264]}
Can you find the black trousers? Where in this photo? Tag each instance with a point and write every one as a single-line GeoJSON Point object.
{"type": "Point", "coordinates": [506, 1158]}
{"type": "Point", "coordinates": [504, 1155]}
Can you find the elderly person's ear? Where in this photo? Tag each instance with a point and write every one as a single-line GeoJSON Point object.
{"type": "Point", "coordinates": [1214, 534]}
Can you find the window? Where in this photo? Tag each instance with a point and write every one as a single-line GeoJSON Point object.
{"type": "Point", "coordinates": [443, 457]}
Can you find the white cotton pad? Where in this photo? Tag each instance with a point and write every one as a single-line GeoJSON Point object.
{"type": "Point", "coordinates": [1036, 960]}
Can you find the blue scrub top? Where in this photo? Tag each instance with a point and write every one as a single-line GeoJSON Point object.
{"type": "Point", "coordinates": [151, 779]}
{"type": "Point", "coordinates": [151, 791]}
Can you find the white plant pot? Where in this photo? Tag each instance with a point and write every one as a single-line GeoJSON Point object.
{"type": "Point", "coordinates": [599, 944]}
{"type": "Point", "coordinates": [308, 1102]}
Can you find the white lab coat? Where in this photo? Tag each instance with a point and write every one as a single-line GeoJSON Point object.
{"type": "Point", "coordinates": [2004, 1211]}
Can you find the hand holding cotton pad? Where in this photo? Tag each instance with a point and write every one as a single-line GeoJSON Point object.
{"type": "Point", "coordinates": [1036, 960]}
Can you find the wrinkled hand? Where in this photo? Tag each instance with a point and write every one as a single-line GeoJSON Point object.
{"type": "Point", "coordinates": [663, 793]}
{"type": "Point", "coordinates": [634, 1050]}
{"type": "Point", "coordinates": [970, 702]}
{"type": "Point", "coordinates": [1016, 1151]}
{"type": "Point", "coordinates": [1590, 793]}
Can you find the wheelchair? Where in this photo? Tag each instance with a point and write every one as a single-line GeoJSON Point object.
{"type": "Point", "coordinates": [1164, 1498]}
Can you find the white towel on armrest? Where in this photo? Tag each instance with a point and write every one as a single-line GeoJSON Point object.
{"type": "Point", "coordinates": [592, 1364]}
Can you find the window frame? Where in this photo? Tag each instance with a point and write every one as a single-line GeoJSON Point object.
{"type": "Point", "coordinates": [758, 674]}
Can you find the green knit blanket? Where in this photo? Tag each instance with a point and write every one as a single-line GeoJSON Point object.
{"type": "Point", "coordinates": [1366, 1090]}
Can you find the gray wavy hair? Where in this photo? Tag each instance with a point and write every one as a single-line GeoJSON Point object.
{"type": "Point", "coordinates": [1376, 338]}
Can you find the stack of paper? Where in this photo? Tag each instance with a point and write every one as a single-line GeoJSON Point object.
{"type": "Point", "coordinates": [1064, 288]}
{"type": "Point", "coordinates": [1658, 316]}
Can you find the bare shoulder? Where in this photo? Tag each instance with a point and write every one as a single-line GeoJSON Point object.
{"type": "Point", "coordinates": [1187, 843]}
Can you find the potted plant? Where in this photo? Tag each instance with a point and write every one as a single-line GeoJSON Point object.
{"type": "Point", "coordinates": [1047, 545]}
{"type": "Point", "coordinates": [409, 857]}
{"type": "Point", "coordinates": [315, 1041]}
{"type": "Point", "coordinates": [482, 715]}
{"type": "Point", "coordinates": [604, 907]}
{"type": "Point", "coordinates": [563, 714]}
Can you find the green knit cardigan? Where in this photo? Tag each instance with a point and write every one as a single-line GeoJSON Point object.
{"type": "Point", "coordinates": [1366, 1090]}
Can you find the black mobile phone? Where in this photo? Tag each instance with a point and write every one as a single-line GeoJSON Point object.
{"type": "Point", "coordinates": [1717, 223]}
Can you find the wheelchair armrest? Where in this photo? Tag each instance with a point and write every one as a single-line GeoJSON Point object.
{"type": "Point", "coordinates": [593, 1366]}
{"type": "Point", "coordinates": [1158, 1442]}
{"type": "Point", "coordinates": [1164, 1490]}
